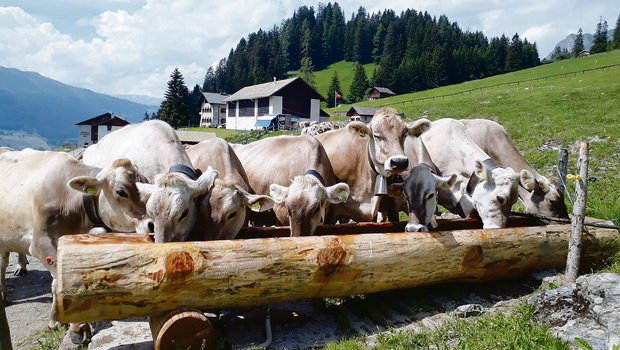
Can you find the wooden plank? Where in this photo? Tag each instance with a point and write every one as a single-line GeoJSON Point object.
{"type": "Point", "coordinates": [120, 280]}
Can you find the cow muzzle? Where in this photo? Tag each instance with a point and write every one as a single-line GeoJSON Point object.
{"type": "Point", "coordinates": [396, 164]}
{"type": "Point", "coordinates": [416, 228]}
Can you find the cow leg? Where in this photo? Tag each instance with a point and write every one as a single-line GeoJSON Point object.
{"type": "Point", "coordinates": [4, 263]}
{"type": "Point", "coordinates": [21, 270]}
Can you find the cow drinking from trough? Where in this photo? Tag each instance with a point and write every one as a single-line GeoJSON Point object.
{"type": "Point", "coordinates": [46, 195]}
{"type": "Point", "coordinates": [171, 196]}
{"type": "Point", "coordinates": [360, 154]}
{"type": "Point", "coordinates": [538, 194]}
{"type": "Point", "coordinates": [224, 209]}
{"type": "Point", "coordinates": [453, 151]}
{"type": "Point", "coordinates": [296, 172]}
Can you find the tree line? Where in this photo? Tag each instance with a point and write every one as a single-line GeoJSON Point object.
{"type": "Point", "coordinates": [601, 42]}
{"type": "Point", "coordinates": [414, 50]}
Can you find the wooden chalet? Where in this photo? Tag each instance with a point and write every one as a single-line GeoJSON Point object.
{"type": "Point", "coordinates": [376, 92]}
{"type": "Point", "coordinates": [90, 131]}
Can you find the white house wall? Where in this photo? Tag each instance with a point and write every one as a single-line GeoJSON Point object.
{"type": "Point", "coordinates": [83, 135]}
{"type": "Point", "coordinates": [315, 109]}
{"type": "Point", "coordinates": [275, 105]}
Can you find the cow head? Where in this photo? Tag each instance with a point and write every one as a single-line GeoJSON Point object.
{"type": "Point", "coordinates": [120, 205]}
{"type": "Point", "coordinates": [304, 204]}
{"type": "Point", "coordinates": [172, 203]}
{"type": "Point", "coordinates": [541, 197]}
{"type": "Point", "coordinates": [387, 133]}
{"type": "Point", "coordinates": [495, 194]}
{"type": "Point", "coordinates": [420, 190]}
{"type": "Point", "coordinates": [224, 209]}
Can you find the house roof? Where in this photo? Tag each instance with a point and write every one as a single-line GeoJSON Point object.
{"type": "Point", "coordinates": [213, 98]}
{"type": "Point", "coordinates": [105, 119]}
{"type": "Point", "coordinates": [193, 137]}
{"type": "Point", "coordinates": [362, 111]}
{"type": "Point", "coordinates": [383, 90]}
{"type": "Point", "coordinates": [268, 89]}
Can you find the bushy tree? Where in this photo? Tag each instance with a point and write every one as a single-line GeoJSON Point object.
{"type": "Point", "coordinates": [615, 41]}
{"type": "Point", "coordinates": [334, 88]}
{"type": "Point", "coordinates": [193, 104]}
{"type": "Point", "coordinates": [600, 37]}
{"type": "Point", "coordinates": [359, 85]}
{"type": "Point", "coordinates": [578, 45]}
{"type": "Point", "coordinates": [307, 70]}
{"type": "Point", "coordinates": [174, 109]}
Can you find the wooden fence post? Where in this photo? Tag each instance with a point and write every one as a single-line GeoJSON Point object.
{"type": "Point", "coordinates": [574, 243]}
{"type": "Point", "coordinates": [5, 334]}
{"type": "Point", "coordinates": [562, 168]}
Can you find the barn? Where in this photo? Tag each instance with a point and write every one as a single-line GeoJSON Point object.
{"type": "Point", "coordinates": [376, 92]}
{"type": "Point", "coordinates": [280, 97]}
{"type": "Point", "coordinates": [362, 114]}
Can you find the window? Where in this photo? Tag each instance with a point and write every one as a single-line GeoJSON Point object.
{"type": "Point", "coordinates": [223, 110]}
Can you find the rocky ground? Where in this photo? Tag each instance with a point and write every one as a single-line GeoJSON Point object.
{"type": "Point", "coordinates": [310, 324]}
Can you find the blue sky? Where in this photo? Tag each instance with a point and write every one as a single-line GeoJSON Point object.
{"type": "Point", "coordinates": [132, 46]}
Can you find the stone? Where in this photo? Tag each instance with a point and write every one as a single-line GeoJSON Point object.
{"type": "Point", "coordinates": [588, 309]}
{"type": "Point", "coordinates": [469, 310]}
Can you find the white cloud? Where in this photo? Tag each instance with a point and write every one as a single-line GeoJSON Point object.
{"type": "Point", "coordinates": [537, 33]}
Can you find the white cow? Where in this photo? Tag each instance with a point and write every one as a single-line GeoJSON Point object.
{"type": "Point", "coordinates": [155, 148]}
{"type": "Point", "coordinates": [454, 152]}
{"type": "Point", "coordinates": [45, 195]}
{"type": "Point", "coordinates": [224, 209]}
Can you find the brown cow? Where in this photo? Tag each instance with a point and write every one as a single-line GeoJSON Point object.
{"type": "Point", "coordinates": [273, 163]}
{"type": "Point", "coordinates": [48, 194]}
{"type": "Point", "coordinates": [223, 209]}
{"type": "Point", "coordinates": [538, 194]}
{"type": "Point", "coordinates": [360, 153]}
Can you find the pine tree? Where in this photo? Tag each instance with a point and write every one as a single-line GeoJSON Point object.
{"type": "Point", "coordinates": [359, 85]}
{"type": "Point", "coordinates": [333, 90]}
{"type": "Point", "coordinates": [194, 106]}
{"type": "Point", "coordinates": [208, 84]}
{"type": "Point", "coordinates": [174, 109]}
{"type": "Point", "coordinates": [307, 70]}
{"type": "Point", "coordinates": [600, 37]}
{"type": "Point", "coordinates": [578, 45]}
{"type": "Point", "coordinates": [514, 56]}
{"type": "Point", "coordinates": [615, 41]}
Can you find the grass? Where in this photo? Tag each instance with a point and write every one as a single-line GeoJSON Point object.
{"type": "Point", "coordinates": [46, 339]}
{"type": "Point", "coordinates": [516, 331]}
{"type": "Point", "coordinates": [221, 133]}
{"type": "Point", "coordinates": [345, 70]}
{"type": "Point", "coordinates": [561, 110]}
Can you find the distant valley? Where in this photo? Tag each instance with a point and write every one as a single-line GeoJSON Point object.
{"type": "Point", "coordinates": [36, 110]}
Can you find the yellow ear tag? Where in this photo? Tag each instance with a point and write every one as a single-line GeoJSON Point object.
{"type": "Point", "coordinates": [446, 185]}
{"type": "Point", "coordinates": [91, 190]}
{"type": "Point", "coordinates": [482, 175]}
{"type": "Point", "coordinates": [343, 196]}
{"type": "Point", "coordinates": [255, 207]}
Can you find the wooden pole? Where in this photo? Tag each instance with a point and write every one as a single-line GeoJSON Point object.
{"type": "Point", "coordinates": [5, 334]}
{"type": "Point", "coordinates": [581, 190]}
{"type": "Point", "coordinates": [563, 168]}
{"type": "Point", "coordinates": [111, 280]}
{"type": "Point", "coordinates": [182, 329]}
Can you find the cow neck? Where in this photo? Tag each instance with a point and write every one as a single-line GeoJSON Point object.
{"type": "Point", "coordinates": [91, 206]}
{"type": "Point", "coordinates": [316, 174]}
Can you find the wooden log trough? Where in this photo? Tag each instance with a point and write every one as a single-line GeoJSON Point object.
{"type": "Point", "coordinates": [117, 276]}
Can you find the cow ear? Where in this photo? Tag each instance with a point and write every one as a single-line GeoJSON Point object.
{"type": "Point", "coordinates": [419, 126]}
{"type": "Point", "coordinates": [484, 173]}
{"type": "Point", "coordinates": [338, 193]}
{"type": "Point", "coordinates": [145, 190]}
{"type": "Point", "coordinates": [445, 181]}
{"type": "Point", "coordinates": [396, 189]}
{"type": "Point", "coordinates": [527, 180]}
{"type": "Point", "coordinates": [85, 184]}
{"type": "Point", "coordinates": [358, 128]}
{"type": "Point", "coordinates": [278, 193]}
{"type": "Point", "coordinates": [205, 182]}
{"type": "Point", "coordinates": [259, 202]}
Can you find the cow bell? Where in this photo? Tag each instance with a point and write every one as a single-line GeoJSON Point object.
{"type": "Point", "coordinates": [381, 186]}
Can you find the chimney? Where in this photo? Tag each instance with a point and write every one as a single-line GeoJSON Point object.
{"type": "Point", "coordinates": [274, 80]}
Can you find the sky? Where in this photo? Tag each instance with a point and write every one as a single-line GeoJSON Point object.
{"type": "Point", "coordinates": [130, 47]}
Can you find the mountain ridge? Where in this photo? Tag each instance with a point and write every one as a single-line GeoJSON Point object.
{"type": "Point", "coordinates": [33, 103]}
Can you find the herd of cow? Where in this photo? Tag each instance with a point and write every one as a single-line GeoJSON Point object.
{"type": "Point", "coordinates": [142, 179]}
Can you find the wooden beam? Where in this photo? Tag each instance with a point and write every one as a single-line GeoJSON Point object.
{"type": "Point", "coordinates": [112, 280]}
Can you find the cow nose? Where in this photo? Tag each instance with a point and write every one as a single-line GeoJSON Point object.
{"type": "Point", "coordinates": [415, 228]}
{"type": "Point", "coordinates": [399, 163]}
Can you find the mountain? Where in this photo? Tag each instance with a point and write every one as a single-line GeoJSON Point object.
{"type": "Point", "coordinates": [568, 42]}
{"type": "Point", "coordinates": [36, 104]}
{"type": "Point", "coordinates": [142, 99]}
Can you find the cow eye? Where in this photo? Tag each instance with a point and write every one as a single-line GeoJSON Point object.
{"type": "Point", "coordinates": [232, 215]}
{"type": "Point", "coordinates": [378, 138]}
{"type": "Point", "coordinates": [316, 211]}
{"type": "Point", "coordinates": [431, 195]}
{"type": "Point", "coordinates": [501, 200]}
{"type": "Point", "coordinates": [185, 212]}
{"type": "Point", "coordinates": [122, 193]}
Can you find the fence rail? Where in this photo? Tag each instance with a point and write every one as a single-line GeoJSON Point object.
{"type": "Point", "coordinates": [517, 82]}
